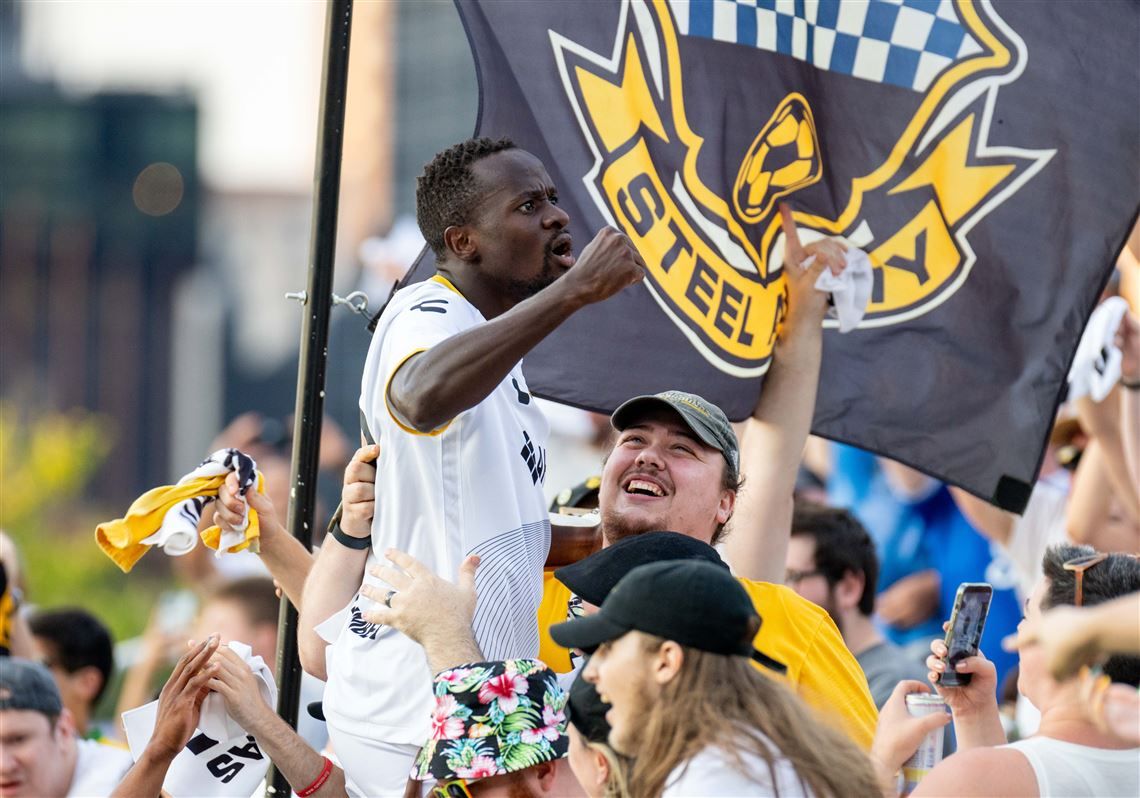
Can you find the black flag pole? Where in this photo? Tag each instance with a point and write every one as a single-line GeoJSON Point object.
{"type": "Point", "coordinates": [314, 348]}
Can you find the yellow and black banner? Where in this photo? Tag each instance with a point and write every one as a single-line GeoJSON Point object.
{"type": "Point", "coordinates": [983, 153]}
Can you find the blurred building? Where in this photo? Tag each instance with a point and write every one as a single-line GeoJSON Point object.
{"type": "Point", "coordinates": [157, 164]}
{"type": "Point", "coordinates": [98, 220]}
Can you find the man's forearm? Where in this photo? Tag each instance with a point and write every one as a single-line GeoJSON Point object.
{"type": "Point", "coordinates": [450, 649]}
{"type": "Point", "coordinates": [455, 375]}
{"type": "Point", "coordinates": [1116, 625]}
{"type": "Point", "coordinates": [335, 577]}
{"type": "Point", "coordinates": [144, 779]}
{"type": "Point", "coordinates": [771, 449]}
{"type": "Point", "coordinates": [295, 758]}
{"type": "Point", "coordinates": [287, 560]}
{"type": "Point", "coordinates": [1130, 430]}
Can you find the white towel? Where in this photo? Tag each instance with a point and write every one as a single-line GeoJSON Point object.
{"type": "Point", "coordinates": [1096, 366]}
{"type": "Point", "coordinates": [850, 291]}
{"type": "Point", "coordinates": [220, 759]}
{"type": "Point", "coordinates": [215, 721]}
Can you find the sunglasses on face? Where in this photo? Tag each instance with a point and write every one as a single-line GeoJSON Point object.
{"type": "Point", "coordinates": [458, 788]}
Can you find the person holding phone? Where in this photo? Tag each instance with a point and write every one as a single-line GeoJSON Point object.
{"type": "Point", "coordinates": [1069, 755]}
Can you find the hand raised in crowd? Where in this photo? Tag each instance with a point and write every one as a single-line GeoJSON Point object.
{"type": "Point", "coordinates": [232, 679]}
{"type": "Point", "coordinates": [899, 734]}
{"type": "Point", "coordinates": [230, 509]}
{"type": "Point", "coordinates": [180, 702]}
{"type": "Point", "coordinates": [1068, 639]}
{"type": "Point", "coordinates": [608, 264]}
{"type": "Point", "coordinates": [429, 609]}
{"type": "Point", "coordinates": [804, 301]}
{"type": "Point", "coordinates": [358, 496]}
{"type": "Point", "coordinates": [976, 697]}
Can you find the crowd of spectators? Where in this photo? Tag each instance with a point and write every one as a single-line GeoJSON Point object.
{"type": "Point", "coordinates": [743, 611]}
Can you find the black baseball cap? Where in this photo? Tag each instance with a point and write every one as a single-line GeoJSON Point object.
{"type": "Point", "coordinates": [697, 604]}
{"type": "Point", "coordinates": [584, 494]}
{"type": "Point", "coordinates": [592, 578]}
{"type": "Point", "coordinates": [588, 710]}
{"type": "Point", "coordinates": [28, 685]}
{"type": "Point", "coordinates": [707, 421]}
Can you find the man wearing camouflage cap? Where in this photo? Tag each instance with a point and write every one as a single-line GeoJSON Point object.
{"type": "Point", "coordinates": [40, 754]}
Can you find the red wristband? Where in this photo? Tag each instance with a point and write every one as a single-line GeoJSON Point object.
{"type": "Point", "coordinates": [326, 771]}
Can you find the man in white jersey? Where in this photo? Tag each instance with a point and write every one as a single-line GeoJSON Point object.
{"type": "Point", "coordinates": [462, 444]}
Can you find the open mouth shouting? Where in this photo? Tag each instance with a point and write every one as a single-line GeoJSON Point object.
{"type": "Point", "coordinates": [561, 248]}
{"type": "Point", "coordinates": [644, 485]}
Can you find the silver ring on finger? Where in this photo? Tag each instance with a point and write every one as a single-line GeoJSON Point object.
{"type": "Point", "coordinates": [388, 599]}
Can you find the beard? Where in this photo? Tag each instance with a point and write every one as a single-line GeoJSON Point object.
{"type": "Point", "coordinates": [616, 526]}
{"type": "Point", "coordinates": [518, 290]}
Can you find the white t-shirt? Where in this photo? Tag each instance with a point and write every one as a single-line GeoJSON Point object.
{"type": "Point", "coordinates": [98, 769]}
{"type": "Point", "coordinates": [1068, 770]}
{"type": "Point", "coordinates": [711, 774]}
{"type": "Point", "coordinates": [472, 487]}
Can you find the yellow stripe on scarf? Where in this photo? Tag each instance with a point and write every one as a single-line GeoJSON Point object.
{"type": "Point", "coordinates": [120, 539]}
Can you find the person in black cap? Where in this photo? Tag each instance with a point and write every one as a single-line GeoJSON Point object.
{"type": "Point", "coordinates": [686, 705]}
{"type": "Point", "coordinates": [601, 771]}
{"type": "Point", "coordinates": [40, 754]}
{"type": "Point", "coordinates": [814, 661]}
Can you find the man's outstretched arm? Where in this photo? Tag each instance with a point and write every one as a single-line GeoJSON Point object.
{"type": "Point", "coordinates": [431, 388]}
{"type": "Point", "coordinates": [338, 571]}
{"type": "Point", "coordinates": [774, 437]}
{"type": "Point", "coordinates": [302, 767]}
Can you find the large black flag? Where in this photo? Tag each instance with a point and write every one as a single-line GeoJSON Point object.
{"type": "Point", "coordinates": [985, 155]}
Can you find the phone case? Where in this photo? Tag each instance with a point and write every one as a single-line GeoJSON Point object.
{"type": "Point", "coordinates": [967, 622]}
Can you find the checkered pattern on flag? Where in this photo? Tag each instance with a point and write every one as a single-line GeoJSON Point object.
{"type": "Point", "coordinates": [983, 153]}
{"type": "Point", "coordinates": [901, 42]}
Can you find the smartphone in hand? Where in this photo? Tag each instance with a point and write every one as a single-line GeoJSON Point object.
{"type": "Point", "coordinates": [967, 621]}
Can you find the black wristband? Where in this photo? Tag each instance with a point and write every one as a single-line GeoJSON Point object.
{"type": "Point", "coordinates": [349, 541]}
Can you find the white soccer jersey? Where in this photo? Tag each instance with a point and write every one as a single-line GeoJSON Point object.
{"type": "Point", "coordinates": [471, 487]}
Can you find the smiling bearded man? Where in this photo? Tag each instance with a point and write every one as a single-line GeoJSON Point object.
{"type": "Point", "coordinates": [677, 465]}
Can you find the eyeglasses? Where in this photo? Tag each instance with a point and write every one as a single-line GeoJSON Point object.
{"type": "Point", "coordinates": [452, 789]}
{"type": "Point", "coordinates": [794, 577]}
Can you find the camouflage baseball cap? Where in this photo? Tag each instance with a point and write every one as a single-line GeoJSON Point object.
{"type": "Point", "coordinates": [707, 421]}
{"type": "Point", "coordinates": [28, 685]}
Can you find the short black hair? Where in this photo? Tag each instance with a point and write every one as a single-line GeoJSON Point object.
{"type": "Point", "coordinates": [447, 189]}
{"type": "Point", "coordinates": [842, 545]}
{"type": "Point", "coordinates": [79, 640]}
{"type": "Point", "coordinates": [256, 595]}
{"type": "Point", "coordinates": [1117, 576]}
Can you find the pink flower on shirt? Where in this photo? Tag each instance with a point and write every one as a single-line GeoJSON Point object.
{"type": "Point", "coordinates": [505, 689]}
{"type": "Point", "coordinates": [444, 724]}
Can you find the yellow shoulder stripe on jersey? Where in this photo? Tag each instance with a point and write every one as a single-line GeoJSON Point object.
{"type": "Point", "coordinates": [392, 411]}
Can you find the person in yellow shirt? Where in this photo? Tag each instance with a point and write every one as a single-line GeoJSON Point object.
{"type": "Point", "coordinates": [677, 465]}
